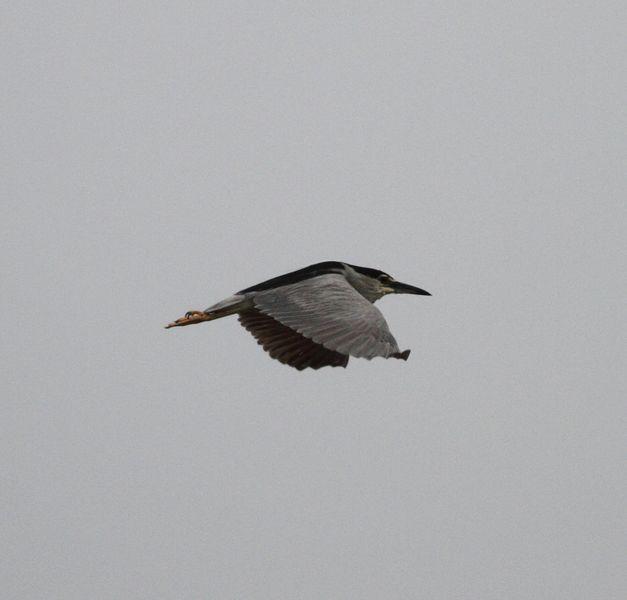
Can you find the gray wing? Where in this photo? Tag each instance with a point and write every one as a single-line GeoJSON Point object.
{"type": "Point", "coordinates": [288, 346]}
{"type": "Point", "coordinates": [329, 311]}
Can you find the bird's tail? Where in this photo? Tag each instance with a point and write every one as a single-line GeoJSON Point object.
{"type": "Point", "coordinates": [225, 308]}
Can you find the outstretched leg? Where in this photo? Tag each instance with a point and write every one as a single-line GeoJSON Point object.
{"type": "Point", "coordinates": [229, 306]}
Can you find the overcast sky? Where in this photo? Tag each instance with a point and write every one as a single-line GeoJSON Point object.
{"type": "Point", "coordinates": [159, 156]}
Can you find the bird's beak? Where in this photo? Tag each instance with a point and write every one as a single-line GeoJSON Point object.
{"type": "Point", "coordinates": [405, 288]}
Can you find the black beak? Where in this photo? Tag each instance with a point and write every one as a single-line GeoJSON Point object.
{"type": "Point", "coordinates": [404, 288]}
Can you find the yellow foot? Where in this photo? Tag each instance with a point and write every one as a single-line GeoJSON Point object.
{"type": "Point", "coordinates": [191, 317]}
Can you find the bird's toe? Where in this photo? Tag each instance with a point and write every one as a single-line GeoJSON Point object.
{"type": "Point", "coordinates": [193, 313]}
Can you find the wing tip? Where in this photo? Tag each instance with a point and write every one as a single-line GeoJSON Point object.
{"type": "Point", "coordinates": [404, 355]}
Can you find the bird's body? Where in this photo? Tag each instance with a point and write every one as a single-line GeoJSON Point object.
{"type": "Point", "coordinates": [315, 317]}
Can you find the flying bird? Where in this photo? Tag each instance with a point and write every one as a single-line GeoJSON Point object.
{"type": "Point", "coordinates": [315, 317]}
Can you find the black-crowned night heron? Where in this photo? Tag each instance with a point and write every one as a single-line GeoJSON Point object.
{"type": "Point", "coordinates": [317, 316]}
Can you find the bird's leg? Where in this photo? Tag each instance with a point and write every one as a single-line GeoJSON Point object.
{"type": "Point", "coordinates": [191, 317]}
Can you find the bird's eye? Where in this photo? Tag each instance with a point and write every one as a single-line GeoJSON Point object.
{"type": "Point", "coordinates": [385, 278]}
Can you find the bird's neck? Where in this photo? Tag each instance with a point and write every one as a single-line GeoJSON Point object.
{"type": "Point", "coordinates": [369, 288]}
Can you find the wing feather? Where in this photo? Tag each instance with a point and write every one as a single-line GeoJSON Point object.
{"type": "Point", "coordinates": [288, 346]}
{"type": "Point", "coordinates": [329, 311]}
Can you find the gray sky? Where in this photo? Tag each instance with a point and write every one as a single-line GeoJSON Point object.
{"type": "Point", "coordinates": [159, 156]}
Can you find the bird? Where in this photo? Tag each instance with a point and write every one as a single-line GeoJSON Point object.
{"type": "Point", "coordinates": [316, 316]}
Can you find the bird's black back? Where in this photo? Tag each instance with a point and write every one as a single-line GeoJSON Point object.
{"type": "Point", "coordinates": [322, 268]}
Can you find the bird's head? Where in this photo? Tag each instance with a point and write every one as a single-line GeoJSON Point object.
{"type": "Point", "coordinates": [374, 284]}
